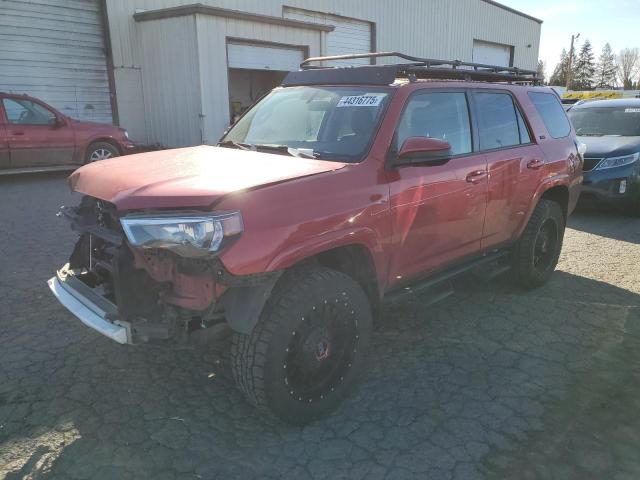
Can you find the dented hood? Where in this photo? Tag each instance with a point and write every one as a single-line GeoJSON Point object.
{"type": "Point", "coordinates": [187, 177]}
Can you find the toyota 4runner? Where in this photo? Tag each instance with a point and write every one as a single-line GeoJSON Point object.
{"type": "Point", "coordinates": [338, 189]}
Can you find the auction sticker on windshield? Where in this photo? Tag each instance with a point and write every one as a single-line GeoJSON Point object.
{"type": "Point", "coordinates": [369, 100]}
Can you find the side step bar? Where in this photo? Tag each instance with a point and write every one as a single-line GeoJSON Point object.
{"type": "Point", "coordinates": [93, 310]}
{"type": "Point", "coordinates": [447, 275]}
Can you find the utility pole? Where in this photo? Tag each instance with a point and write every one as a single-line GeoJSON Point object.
{"type": "Point", "coordinates": [570, 66]}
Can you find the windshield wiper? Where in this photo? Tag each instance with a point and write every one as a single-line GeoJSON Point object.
{"type": "Point", "coordinates": [238, 145]}
{"type": "Point", "coordinates": [294, 152]}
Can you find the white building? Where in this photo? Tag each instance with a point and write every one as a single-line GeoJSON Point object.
{"type": "Point", "coordinates": [175, 73]}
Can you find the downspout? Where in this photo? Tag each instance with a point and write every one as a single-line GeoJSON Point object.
{"type": "Point", "coordinates": [113, 99]}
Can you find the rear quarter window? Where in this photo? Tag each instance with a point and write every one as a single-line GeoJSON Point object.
{"type": "Point", "coordinates": [552, 113]}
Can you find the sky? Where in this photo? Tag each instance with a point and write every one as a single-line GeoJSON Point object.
{"type": "Point", "coordinates": [600, 21]}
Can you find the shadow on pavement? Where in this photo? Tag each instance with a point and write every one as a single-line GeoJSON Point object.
{"type": "Point", "coordinates": [493, 383]}
{"type": "Point", "coordinates": [605, 221]}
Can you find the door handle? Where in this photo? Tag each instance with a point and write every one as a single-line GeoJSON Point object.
{"type": "Point", "coordinates": [476, 176]}
{"type": "Point", "coordinates": [17, 133]}
{"type": "Point", "coordinates": [535, 164]}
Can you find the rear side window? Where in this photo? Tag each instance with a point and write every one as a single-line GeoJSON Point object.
{"type": "Point", "coordinates": [552, 113]}
{"type": "Point", "coordinates": [497, 121]}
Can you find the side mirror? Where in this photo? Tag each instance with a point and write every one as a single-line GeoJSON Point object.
{"type": "Point", "coordinates": [423, 151]}
{"type": "Point", "coordinates": [56, 122]}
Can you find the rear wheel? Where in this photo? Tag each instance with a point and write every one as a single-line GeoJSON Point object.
{"type": "Point", "coordinates": [536, 254]}
{"type": "Point", "coordinates": [100, 151]}
{"type": "Point", "coordinates": [308, 349]}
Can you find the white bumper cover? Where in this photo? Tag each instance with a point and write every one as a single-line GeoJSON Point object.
{"type": "Point", "coordinates": [90, 308]}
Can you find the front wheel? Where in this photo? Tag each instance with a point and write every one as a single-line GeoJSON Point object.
{"type": "Point", "coordinates": [308, 348]}
{"type": "Point", "coordinates": [100, 151]}
{"type": "Point", "coordinates": [536, 254]}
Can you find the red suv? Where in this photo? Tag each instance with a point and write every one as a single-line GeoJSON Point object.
{"type": "Point", "coordinates": [340, 188]}
{"type": "Point", "coordinates": [34, 136]}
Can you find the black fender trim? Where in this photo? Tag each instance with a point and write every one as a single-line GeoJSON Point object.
{"type": "Point", "coordinates": [243, 303]}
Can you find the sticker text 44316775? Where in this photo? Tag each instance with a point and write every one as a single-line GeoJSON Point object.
{"type": "Point", "coordinates": [369, 100]}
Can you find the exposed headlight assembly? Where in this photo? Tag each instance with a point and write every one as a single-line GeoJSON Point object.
{"type": "Point", "coordinates": [195, 235]}
{"type": "Point", "coordinates": [613, 162]}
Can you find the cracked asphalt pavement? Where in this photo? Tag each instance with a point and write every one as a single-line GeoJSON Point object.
{"type": "Point", "coordinates": [494, 382]}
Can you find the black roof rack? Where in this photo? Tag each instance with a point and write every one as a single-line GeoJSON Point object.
{"type": "Point", "coordinates": [414, 68]}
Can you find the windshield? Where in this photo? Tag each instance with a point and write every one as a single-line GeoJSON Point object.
{"type": "Point", "coordinates": [331, 123]}
{"type": "Point", "coordinates": [623, 121]}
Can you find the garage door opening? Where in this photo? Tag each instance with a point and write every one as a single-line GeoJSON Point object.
{"type": "Point", "coordinates": [255, 69]}
{"type": "Point", "coordinates": [247, 86]}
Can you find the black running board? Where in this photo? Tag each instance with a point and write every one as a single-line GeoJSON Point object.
{"type": "Point", "coordinates": [448, 274]}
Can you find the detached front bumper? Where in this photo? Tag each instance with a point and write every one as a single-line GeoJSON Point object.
{"type": "Point", "coordinates": [93, 310]}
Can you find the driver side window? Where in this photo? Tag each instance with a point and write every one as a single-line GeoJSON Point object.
{"type": "Point", "coordinates": [441, 115]}
{"type": "Point", "coordinates": [26, 112]}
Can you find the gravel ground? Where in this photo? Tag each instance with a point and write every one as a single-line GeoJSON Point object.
{"type": "Point", "coordinates": [493, 383]}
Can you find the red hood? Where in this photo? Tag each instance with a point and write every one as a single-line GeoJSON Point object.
{"type": "Point", "coordinates": [187, 177]}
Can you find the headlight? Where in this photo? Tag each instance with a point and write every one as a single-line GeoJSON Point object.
{"type": "Point", "coordinates": [194, 235]}
{"type": "Point", "coordinates": [618, 161]}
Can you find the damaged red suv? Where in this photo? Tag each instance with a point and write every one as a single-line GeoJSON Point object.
{"type": "Point", "coordinates": [341, 188]}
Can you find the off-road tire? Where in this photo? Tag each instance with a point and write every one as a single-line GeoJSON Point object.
{"type": "Point", "coordinates": [526, 273]}
{"type": "Point", "coordinates": [258, 360]}
{"type": "Point", "coordinates": [90, 154]}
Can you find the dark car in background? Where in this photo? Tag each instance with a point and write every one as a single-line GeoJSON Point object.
{"type": "Point", "coordinates": [611, 131]}
{"type": "Point", "coordinates": [35, 136]}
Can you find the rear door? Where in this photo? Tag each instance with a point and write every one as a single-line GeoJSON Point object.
{"type": "Point", "coordinates": [34, 137]}
{"type": "Point", "coordinates": [515, 164]}
{"type": "Point", "coordinates": [4, 141]}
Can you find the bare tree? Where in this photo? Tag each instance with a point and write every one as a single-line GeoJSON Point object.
{"type": "Point", "coordinates": [541, 70]}
{"type": "Point", "coordinates": [628, 66]}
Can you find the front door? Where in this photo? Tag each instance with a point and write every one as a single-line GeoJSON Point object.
{"type": "Point", "coordinates": [438, 211]}
{"type": "Point", "coordinates": [35, 138]}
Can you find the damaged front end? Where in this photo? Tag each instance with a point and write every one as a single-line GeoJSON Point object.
{"type": "Point", "coordinates": [155, 277]}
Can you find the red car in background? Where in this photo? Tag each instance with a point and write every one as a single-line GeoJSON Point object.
{"type": "Point", "coordinates": [36, 137]}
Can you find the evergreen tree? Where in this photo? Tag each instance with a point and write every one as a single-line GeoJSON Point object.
{"type": "Point", "coordinates": [605, 76]}
{"type": "Point", "coordinates": [584, 68]}
{"type": "Point", "coordinates": [559, 76]}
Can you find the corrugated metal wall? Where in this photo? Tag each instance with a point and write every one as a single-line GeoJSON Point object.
{"type": "Point", "coordinates": [184, 73]}
{"type": "Point", "coordinates": [171, 80]}
{"type": "Point", "coordinates": [54, 50]}
{"type": "Point", "coordinates": [441, 28]}
{"type": "Point", "coordinates": [430, 28]}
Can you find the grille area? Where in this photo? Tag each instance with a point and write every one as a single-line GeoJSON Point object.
{"type": "Point", "coordinates": [590, 163]}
